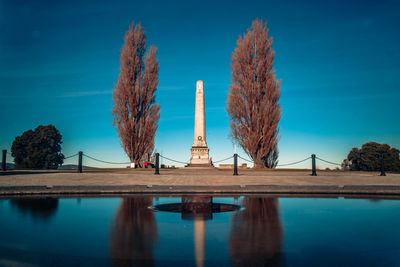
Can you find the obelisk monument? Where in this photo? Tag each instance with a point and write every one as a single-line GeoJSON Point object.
{"type": "Point", "coordinates": [199, 151]}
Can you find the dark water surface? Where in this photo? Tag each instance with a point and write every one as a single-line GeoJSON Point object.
{"type": "Point", "coordinates": [199, 231]}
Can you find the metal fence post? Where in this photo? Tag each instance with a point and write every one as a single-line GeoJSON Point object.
{"type": "Point", "coordinates": [235, 169]}
{"type": "Point", "coordinates": [80, 162]}
{"type": "Point", "coordinates": [157, 170]}
{"type": "Point", "coordinates": [4, 160]}
{"type": "Point", "coordinates": [382, 166]}
{"type": "Point", "coordinates": [314, 170]}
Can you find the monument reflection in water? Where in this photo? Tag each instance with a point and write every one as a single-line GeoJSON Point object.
{"type": "Point", "coordinates": [255, 236]}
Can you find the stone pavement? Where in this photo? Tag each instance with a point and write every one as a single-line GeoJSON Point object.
{"type": "Point", "coordinates": [198, 180]}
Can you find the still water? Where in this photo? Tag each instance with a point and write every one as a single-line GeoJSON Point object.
{"type": "Point", "coordinates": [199, 231]}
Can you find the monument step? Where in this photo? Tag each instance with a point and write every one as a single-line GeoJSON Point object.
{"type": "Point", "coordinates": [199, 165]}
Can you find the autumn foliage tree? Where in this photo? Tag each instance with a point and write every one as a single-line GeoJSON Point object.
{"type": "Point", "coordinates": [135, 112]}
{"type": "Point", "coordinates": [253, 100]}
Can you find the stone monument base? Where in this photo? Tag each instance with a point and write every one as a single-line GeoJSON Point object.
{"type": "Point", "coordinates": [199, 166]}
{"type": "Point", "coordinates": [199, 157]}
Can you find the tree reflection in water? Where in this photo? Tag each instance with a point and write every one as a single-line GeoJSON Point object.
{"type": "Point", "coordinates": [134, 233]}
{"type": "Point", "coordinates": [256, 236]}
{"type": "Point", "coordinates": [37, 208]}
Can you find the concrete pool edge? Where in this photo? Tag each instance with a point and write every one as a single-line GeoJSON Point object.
{"type": "Point", "coordinates": [197, 189]}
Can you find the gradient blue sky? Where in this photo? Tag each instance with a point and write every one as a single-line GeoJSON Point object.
{"type": "Point", "coordinates": [339, 62]}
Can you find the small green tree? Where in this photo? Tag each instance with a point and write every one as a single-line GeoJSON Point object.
{"type": "Point", "coordinates": [38, 149]}
{"type": "Point", "coordinates": [368, 158]}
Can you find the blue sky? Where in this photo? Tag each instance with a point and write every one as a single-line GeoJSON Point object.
{"type": "Point", "coordinates": [339, 63]}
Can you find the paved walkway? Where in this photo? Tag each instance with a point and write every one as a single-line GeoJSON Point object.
{"type": "Point", "coordinates": [194, 177]}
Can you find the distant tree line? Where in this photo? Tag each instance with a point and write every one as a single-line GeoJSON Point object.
{"type": "Point", "coordinates": [368, 158]}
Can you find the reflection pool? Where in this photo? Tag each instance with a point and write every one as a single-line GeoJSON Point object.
{"type": "Point", "coordinates": [146, 230]}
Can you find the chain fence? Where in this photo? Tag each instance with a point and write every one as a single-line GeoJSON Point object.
{"type": "Point", "coordinates": [245, 159]}
{"type": "Point", "coordinates": [217, 161]}
{"type": "Point", "coordinates": [173, 160]}
{"type": "Point", "coordinates": [293, 163]}
{"type": "Point", "coordinates": [278, 165]}
{"type": "Point", "coordinates": [103, 161]}
{"type": "Point", "coordinates": [329, 162]}
{"type": "Point", "coordinates": [187, 163]}
{"type": "Point", "coordinates": [71, 156]}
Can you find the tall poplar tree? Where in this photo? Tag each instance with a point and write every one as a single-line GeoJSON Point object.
{"type": "Point", "coordinates": [253, 100]}
{"type": "Point", "coordinates": [134, 109]}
